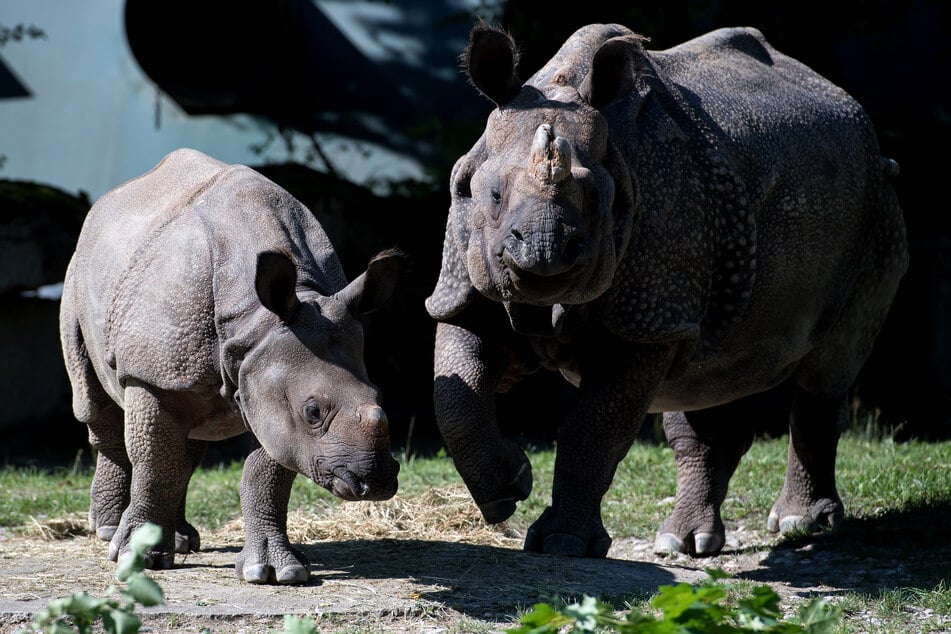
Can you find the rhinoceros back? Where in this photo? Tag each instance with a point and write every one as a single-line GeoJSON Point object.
{"type": "Point", "coordinates": [740, 138]}
{"type": "Point", "coordinates": [168, 259]}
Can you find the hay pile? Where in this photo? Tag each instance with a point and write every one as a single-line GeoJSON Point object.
{"type": "Point", "coordinates": [53, 529]}
{"type": "Point", "coordinates": [441, 514]}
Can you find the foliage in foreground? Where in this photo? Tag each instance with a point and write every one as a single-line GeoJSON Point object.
{"type": "Point", "coordinates": [684, 608]}
{"type": "Point", "coordinates": [80, 611]}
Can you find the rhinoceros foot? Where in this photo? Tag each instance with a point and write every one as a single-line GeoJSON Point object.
{"type": "Point", "coordinates": [159, 558]}
{"type": "Point", "coordinates": [500, 509]}
{"type": "Point", "coordinates": [105, 510]}
{"type": "Point", "coordinates": [806, 516]}
{"type": "Point", "coordinates": [106, 533]}
{"type": "Point", "coordinates": [187, 539]}
{"type": "Point", "coordinates": [553, 535]}
{"type": "Point", "coordinates": [697, 543]}
{"type": "Point", "coordinates": [693, 529]}
{"type": "Point", "coordinates": [270, 559]}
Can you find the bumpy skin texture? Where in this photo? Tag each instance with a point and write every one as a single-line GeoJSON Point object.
{"type": "Point", "coordinates": [673, 231]}
{"type": "Point", "coordinates": [204, 301]}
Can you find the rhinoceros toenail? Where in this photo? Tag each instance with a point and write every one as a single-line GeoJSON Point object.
{"type": "Point", "coordinates": [707, 543]}
{"type": "Point", "coordinates": [668, 543]}
{"type": "Point", "coordinates": [497, 510]}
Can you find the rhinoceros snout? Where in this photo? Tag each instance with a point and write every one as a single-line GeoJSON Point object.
{"type": "Point", "coordinates": [379, 483]}
{"type": "Point", "coordinates": [543, 256]}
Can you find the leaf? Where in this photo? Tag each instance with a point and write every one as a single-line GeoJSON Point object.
{"type": "Point", "coordinates": [121, 622]}
{"type": "Point", "coordinates": [58, 627]}
{"type": "Point", "coordinates": [145, 590]}
{"type": "Point", "coordinates": [129, 563]}
{"type": "Point", "coordinates": [298, 625]}
{"type": "Point", "coordinates": [819, 616]}
{"type": "Point", "coordinates": [716, 574]}
{"type": "Point", "coordinates": [764, 601]}
{"type": "Point", "coordinates": [673, 600]}
{"type": "Point", "coordinates": [83, 608]}
{"type": "Point", "coordinates": [543, 619]}
{"type": "Point", "coordinates": [585, 614]}
{"type": "Point", "coordinates": [641, 624]}
{"type": "Point", "coordinates": [145, 537]}
{"type": "Point", "coordinates": [692, 606]}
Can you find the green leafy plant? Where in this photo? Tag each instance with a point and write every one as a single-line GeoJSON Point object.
{"type": "Point", "coordinates": [684, 609]}
{"type": "Point", "coordinates": [79, 612]}
{"type": "Point", "coordinates": [294, 624]}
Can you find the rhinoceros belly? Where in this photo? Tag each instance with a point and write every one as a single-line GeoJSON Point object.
{"type": "Point", "coordinates": [218, 427]}
{"type": "Point", "coordinates": [743, 363]}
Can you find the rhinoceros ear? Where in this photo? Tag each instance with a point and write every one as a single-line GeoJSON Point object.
{"type": "Point", "coordinates": [613, 71]}
{"type": "Point", "coordinates": [275, 283]}
{"type": "Point", "coordinates": [490, 61]}
{"type": "Point", "coordinates": [370, 290]}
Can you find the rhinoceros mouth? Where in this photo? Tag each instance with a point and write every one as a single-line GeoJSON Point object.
{"type": "Point", "coordinates": [347, 485]}
{"type": "Point", "coordinates": [530, 288]}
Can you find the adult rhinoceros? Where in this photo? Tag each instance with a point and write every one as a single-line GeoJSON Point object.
{"type": "Point", "coordinates": [672, 230]}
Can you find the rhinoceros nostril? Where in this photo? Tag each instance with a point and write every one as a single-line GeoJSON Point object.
{"type": "Point", "coordinates": [573, 250]}
{"type": "Point", "coordinates": [517, 235]}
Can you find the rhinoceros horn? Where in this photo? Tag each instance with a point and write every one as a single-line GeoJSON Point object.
{"type": "Point", "coordinates": [550, 156]}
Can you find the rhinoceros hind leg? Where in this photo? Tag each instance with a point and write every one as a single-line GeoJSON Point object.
{"type": "Point", "coordinates": [159, 453]}
{"type": "Point", "coordinates": [708, 445]}
{"type": "Point", "coordinates": [109, 493]}
{"type": "Point", "coordinates": [809, 499]}
{"type": "Point", "coordinates": [187, 539]}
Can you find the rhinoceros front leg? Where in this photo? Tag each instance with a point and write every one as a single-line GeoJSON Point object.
{"type": "Point", "coordinates": [468, 371]}
{"type": "Point", "coordinates": [615, 393]}
{"type": "Point", "coordinates": [267, 556]}
{"type": "Point", "coordinates": [708, 445]}
{"type": "Point", "coordinates": [156, 442]}
{"type": "Point", "coordinates": [809, 498]}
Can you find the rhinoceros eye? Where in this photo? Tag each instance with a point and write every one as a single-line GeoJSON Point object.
{"type": "Point", "coordinates": [312, 413]}
{"type": "Point", "coordinates": [496, 196]}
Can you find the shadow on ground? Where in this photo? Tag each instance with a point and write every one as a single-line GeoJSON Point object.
{"type": "Point", "coordinates": [871, 555]}
{"type": "Point", "coordinates": [351, 581]}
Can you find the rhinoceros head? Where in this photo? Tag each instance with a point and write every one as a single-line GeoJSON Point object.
{"type": "Point", "coordinates": [543, 204]}
{"type": "Point", "coordinates": [302, 385]}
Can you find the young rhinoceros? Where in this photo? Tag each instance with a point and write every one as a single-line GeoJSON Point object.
{"type": "Point", "coordinates": [672, 230]}
{"type": "Point", "coordinates": [203, 301]}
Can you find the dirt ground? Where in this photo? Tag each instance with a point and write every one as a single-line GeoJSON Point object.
{"type": "Point", "coordinates": [396, 567]}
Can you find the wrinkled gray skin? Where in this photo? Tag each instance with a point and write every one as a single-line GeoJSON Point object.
{"type": "Point", "coordinates": [673, 231]}
{"type": "Point", "coordinates": [202, 301]}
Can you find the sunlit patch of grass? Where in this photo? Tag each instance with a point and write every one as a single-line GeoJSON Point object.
{"type": "Point", "coordinates": [28, 493]}
{"type": "Point", "coordinates": [899, 610]}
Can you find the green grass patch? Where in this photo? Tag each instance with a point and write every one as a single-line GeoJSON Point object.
{"type": "Point", "coordinates": [897, 498]}
{"type": "Point", "coordinates": [876, 477]}
{"type": "Point", "coordinates": [900, 610]}
{"type": "Point", "coordinates": [28, 493]}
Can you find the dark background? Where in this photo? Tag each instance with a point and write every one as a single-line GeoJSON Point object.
{"type": "Point", "coordinates": [286, 61]}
